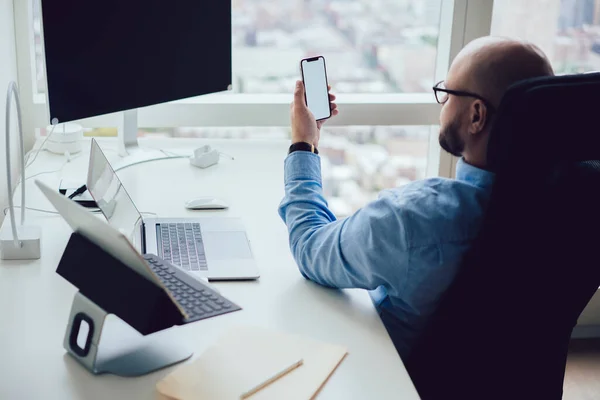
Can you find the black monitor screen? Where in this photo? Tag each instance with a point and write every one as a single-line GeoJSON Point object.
{"type": "Point", "coordinates": [114, 55]}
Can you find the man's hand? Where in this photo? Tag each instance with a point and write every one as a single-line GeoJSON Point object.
{"type": "Point", "coordinates": [304, 126]}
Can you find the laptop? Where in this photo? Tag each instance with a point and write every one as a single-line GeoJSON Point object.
{"type": "Point", "coordinates": [213, 248]}
{"type": "Point", "coordinates": [194, 298]}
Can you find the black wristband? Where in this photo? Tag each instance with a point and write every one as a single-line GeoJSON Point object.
{"type": "Point", "coordinates": [303, 146]}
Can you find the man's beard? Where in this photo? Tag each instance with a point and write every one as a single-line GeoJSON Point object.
{"type": "Point", "coordinates": [451, 141]}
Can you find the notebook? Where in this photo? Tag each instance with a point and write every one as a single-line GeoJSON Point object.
{"type": "Point", "coordinates": [244, 358]}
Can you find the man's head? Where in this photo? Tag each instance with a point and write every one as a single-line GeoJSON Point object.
{"type": "Point", "coordinates": [485, 67]}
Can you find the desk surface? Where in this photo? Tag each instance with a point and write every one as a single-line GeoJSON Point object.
{"type": "Point", "coordinates": [35, 301]}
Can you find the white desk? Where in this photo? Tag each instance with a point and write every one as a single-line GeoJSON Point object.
{"type": "Point", "coordinates": [35, 301]}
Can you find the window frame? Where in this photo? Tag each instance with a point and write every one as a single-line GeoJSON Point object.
{"type": "Point", "coordinates": [460, 22]}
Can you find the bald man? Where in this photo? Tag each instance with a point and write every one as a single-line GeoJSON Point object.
{"type": "Point", "coordinates": [406, 247]}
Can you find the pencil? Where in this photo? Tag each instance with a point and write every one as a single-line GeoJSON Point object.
{"type": "Point", "coordinates": [271, 379]}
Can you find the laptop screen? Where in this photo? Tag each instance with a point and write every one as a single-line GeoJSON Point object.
{"type": "Point", "coordinates": [112, 198]}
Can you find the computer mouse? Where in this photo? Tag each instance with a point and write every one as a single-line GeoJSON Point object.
{"type": "Point", "coordinates": [205, 203]}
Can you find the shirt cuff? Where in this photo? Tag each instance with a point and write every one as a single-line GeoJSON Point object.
{"type": "Point", "coordinates": [302, 165]}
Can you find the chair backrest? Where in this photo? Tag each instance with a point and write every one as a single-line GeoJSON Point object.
{"type": "Point", "coordinates": [503, 327]}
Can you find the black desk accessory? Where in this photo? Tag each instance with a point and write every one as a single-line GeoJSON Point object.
{"type": "Point", "coordinates": [77, 193]}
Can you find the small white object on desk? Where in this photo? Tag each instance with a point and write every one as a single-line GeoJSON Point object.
{"type": "Point", "coordinates": [28, 243]}
{"type": "Point", "coordinates": [204, 157]}
{"type": "Point", "coordinates": [205, 203]}
{"type": "Point", "coordinates": [66, 138]}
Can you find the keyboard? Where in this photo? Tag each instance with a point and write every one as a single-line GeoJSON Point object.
{"type": "Point", "coordinates": [181, 244]}
{"type": "Point", "coordinates": [198, 299]}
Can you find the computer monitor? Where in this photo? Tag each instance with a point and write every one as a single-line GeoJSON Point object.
{"type": "Point", "coordinates": [115, 55]}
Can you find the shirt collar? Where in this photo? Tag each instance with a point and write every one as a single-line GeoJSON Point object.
{"type": "Point", "coordinates": [473, 175]}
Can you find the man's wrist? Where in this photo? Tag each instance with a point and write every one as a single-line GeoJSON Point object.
{"type": "Point", "coordinates": [302, 166]}
{"type": "Point", "coordinates": [303, 146]}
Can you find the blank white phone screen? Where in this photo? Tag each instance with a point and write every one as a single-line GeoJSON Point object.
{"type": "Point", "coordinates": [315, 84]}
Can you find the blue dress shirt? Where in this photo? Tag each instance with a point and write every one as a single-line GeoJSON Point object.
{"type": "Point", "coordinates": [405, 247]}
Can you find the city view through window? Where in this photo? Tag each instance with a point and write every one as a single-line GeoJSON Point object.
{"type": "Point", "coordinates": [366, 43]}
{"type": "Point", "coordinates": [371, 46]}
{"type": "Point", "coordinates": [568, 31]}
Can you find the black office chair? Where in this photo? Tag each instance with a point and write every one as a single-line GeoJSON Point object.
{"type": "Point", "coordinates": [503, 328]}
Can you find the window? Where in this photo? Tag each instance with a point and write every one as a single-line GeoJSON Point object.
{"type": "Point", "coordinates": [370, 46]}
{"type": "Point", "coordinates": [366, 43]}
{"type": "Point", "coordinates": [39, 65]}
{"type": "Point", "coordinates": [360, 161]}
{"type": "Point", "coordinates": [568, 31]}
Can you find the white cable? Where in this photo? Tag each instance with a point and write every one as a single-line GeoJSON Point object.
{"type": "Point", "coordinates": [12, 90]}
{"type": "Point", "coordinates": [54, 125]}
{"type": "Point", "coordinates": [225, 154]}
{"type": "Point", "coordinates": [150, 160]}
{"type": "Point", "coordinates": [45, 172]}
{"type": "Point", "coordinates": [51, 212]}
{"type": "Point", "coordinates": [33, 209]}
{"type": "Point", "coordinates": [175, 154]}
{"type": "Point", "coordinates": [179, 155]}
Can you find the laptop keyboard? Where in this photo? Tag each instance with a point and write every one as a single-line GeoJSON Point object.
{"type": "Point", "coordinates": [197, 299]}
{"type": "Point", "coordinates": [181, 244]}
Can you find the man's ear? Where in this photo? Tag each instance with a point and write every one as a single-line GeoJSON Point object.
{"type": "Point", "coordinates": [478, 117]}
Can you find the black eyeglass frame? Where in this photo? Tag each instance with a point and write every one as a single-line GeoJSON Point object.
{"type": "Point", "coordinates": [462, 93]}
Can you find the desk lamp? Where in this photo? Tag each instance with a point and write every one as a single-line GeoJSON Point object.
{"type": "Point", "coordinates": [20, 242]}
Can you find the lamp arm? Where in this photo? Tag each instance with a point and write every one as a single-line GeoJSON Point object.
{"type": "Point", "coordinates": [12, 89]}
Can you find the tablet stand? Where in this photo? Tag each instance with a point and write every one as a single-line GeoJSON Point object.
{"type": "Point", "coordinates": [109, 345]}
{"type": "Point", "coordinates": [121, 322]}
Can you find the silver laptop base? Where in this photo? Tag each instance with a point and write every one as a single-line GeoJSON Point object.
{"type": "Point", "coordinates": [123, 351]}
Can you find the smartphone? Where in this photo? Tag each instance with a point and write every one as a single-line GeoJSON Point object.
{"type": "Point", "coordinates": [316, 95]}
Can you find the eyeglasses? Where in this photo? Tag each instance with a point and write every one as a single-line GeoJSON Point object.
{"type": "Point", "coordinates": [442, 94]}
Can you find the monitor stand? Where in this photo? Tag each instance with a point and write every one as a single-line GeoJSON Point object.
{"type": "Point", "coordinates": [127, 133]}
{"type": "Point", "coordinates": [129, 149]}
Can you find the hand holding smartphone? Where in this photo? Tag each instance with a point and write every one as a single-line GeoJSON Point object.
{"type": "Point", "coordinates": [316, 94]}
